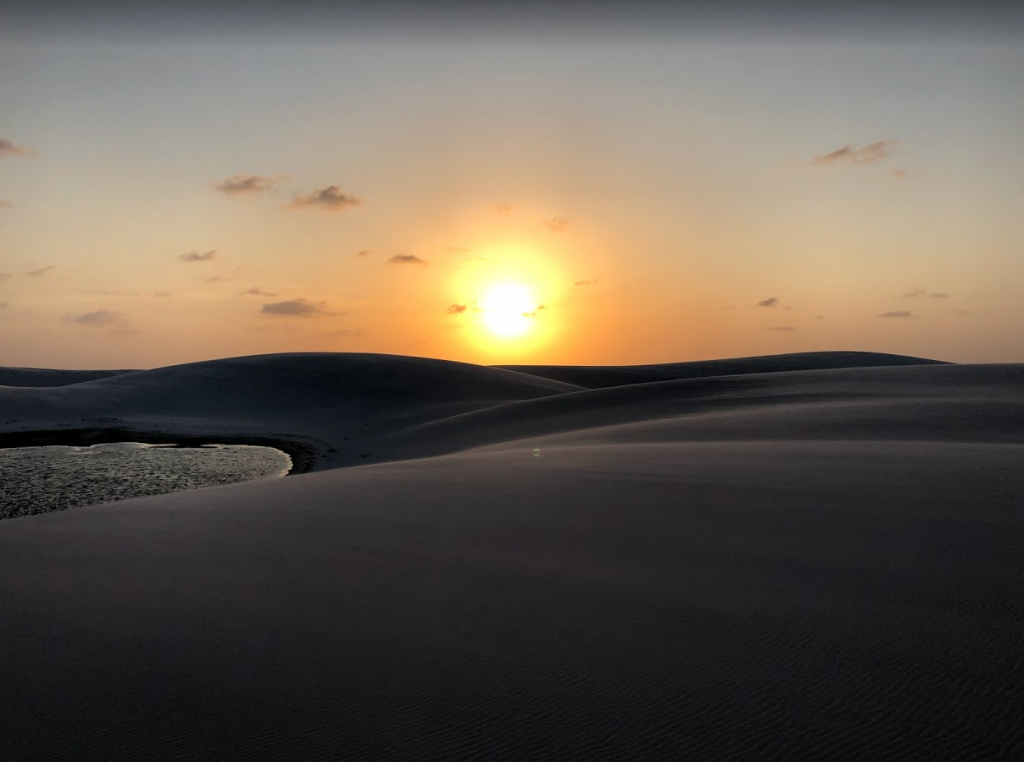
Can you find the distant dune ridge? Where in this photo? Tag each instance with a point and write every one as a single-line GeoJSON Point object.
{"type": "Point", "coordinates": [811, 556]}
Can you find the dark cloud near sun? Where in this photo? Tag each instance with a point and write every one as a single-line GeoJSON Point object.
{"type": "Point", "coordinates": [771, 302]}
{"type": "Point", "coordinates": [10, 148]}
{"type": "Point", "coordinates": [247, 184]}
{"type": "Point", "coordinates": [584, 283]}
{"type": "Point", "coordinates": [299, 307]}
{"type": "Point", "coordinates": [39, 272]}
{"type": "Point", "coordinates": [850, 154]}
{"type": "Point", "coordinates": [198, 256]}
{"type": "Point", "coordinates": [406, 259]}
{"type": "Point", "coordinates": [457, 309]}
{"type": "Point", "coordinates": [329, 199]}
{"type": "Point", "coordinates": [556, 224]}
{"type": "Point", "coordinates": [897, 314]}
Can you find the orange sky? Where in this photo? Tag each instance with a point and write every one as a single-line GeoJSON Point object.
{"type": "Point", "coordinates": [583, 202]}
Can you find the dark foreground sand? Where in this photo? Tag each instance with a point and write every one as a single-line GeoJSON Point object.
{"type": "Point", "coordinates": [822, 565]}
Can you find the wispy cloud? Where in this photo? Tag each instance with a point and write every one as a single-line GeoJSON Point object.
{"type": "Point", "coordinates": [457, 309]}
{"type": "Point", "coordinates": [329, 199]}
{"type": "Point", "coordinates": [771, 302]}
{"type": "Point", "coordinates": [850, 154]}
{"type": "Point", "coordinates": [248, 184]}
{"type": "Point", "coordinates": [255, 291]}
{"type": "Point", "coordinates": [457, 250]}
{"type": "Point", "coordinates": [406, 259]}
{"type": "Point", "coordinates": [916, 292]}
{"type": "Point", "coordinates": [584, 283]}
{"type": "Point", "coordinates": [300, 307]}
{"type": "Point", "coordinates": [5, 204]}
{"type": "Point", "coordinates": [163, 294]}
{"type": "Point", "coordinates": [198, 256]}
{"type": "Point", "coordinates": [344, 332]}
{"type": "Point", "coordinates": [899, 174]}
{"type": "Point", "coordinates": [116, 322]}
{"type": "Point", "coordinates": [39, 272]}
{"type": "Point", "coordinates": [363, 253]}
{"type": "Point", "coordinates": [556, 224]}
{"type": "Point", "coordinates": [4, 305]}
{"type": "Point", "coordinates": [502, 208]}
{"type": "Point", "coordinates": [10, 148]}
{"type": "Point", "coordinates": [782, 328]}
{"type": "Point", "coordinates": [533, 313]}
{"type": "Point", "coordinates": [5, 276]}
{"type": "Point", "coordinates": [897, 314]}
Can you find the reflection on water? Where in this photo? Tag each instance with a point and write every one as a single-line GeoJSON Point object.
{"type": "Point", "coordinates": [42, 479]}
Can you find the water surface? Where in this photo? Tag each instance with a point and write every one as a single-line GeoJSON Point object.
{"type": "Point", "coordinates": [54, 478]}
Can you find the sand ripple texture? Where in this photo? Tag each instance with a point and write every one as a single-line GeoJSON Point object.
{"type": "Point", "coordinates": [43, 479]}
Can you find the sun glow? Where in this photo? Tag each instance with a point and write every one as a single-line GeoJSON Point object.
{"type": "Point", "coordinates": [507, 310]}
{"type": "Point", "coordinates": [506, 300]}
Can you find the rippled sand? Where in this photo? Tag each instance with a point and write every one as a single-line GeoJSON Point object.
{"type": "Point", "coordinates": [43, 479]}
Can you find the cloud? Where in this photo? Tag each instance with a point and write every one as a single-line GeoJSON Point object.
{"type": "Point", "coordinates": [557, 224]}
{"type": "Point", "coordinates": [330, 199]}
{"type": "Point", "coordinates": [4, 305]}
{"type": "Point", "coordinates": [457, 309]}
{"type": "Point", "coordinates": [406, 259]}
{"type": "Point", "coordinates": [782, 328]}
{"type": "Point", "coordinates": [241, 184]}
{"type": "Point", "coordinates": [344, 332]}
{"type": "Point", "coordinates": [771, 302]}
{"type": "Point", "coordinates": [869, 154]}
{"type": "Point", "coordinates": [916, 292]}
{"type": "Point", "coordinates": [897, 314]}
{"type": "Point", "coordinates": [40, 272]}
{"type": "Point", "coordinates": [198, 256]}
{"type": "Point", "coordinates": [5, 276]}
{"type": "Point", "coordinates": [502, 208]}
{"type": "Point", "coordinates": [5, 204]}
{"type": "Point", "coordinates": [363, 253]}
{"type": "Point", "coordinates": [218, 279]}
{"type": "Point", "coordinates": [297, 308]}
{"type": "Point", "coordinates": [255, 291]}
{"type": "Point", "coordinates": [8, 148]}
{"type": "Point", "coordinates": [819, 317]}
{"type": "Point", "coordinates": [457, 250]}
{"type": "Point", "coordinates": [584, 283]}
{"type": "Point", "coordinates": [163, 294]}
{"type": "Point", "coordinates": [116, 321]}
{"type": "Point", "coordinates": [899, 174]}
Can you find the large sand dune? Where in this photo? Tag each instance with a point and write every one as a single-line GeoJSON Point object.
{"type": "Point", "coordinates": [801, 564]}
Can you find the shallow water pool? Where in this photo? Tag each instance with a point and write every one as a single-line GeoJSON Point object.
{"type": "Point", "coordinates": [54, 478]}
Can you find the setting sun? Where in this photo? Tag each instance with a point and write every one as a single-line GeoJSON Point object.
{"type": "Point", "coordinates": [507, 310]}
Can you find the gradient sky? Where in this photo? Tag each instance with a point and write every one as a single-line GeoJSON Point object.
{"type": "Point", "coordinates": [666, 194]}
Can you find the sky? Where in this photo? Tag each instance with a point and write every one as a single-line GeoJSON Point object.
{"type": "Point", "coordinates": [602, 188]}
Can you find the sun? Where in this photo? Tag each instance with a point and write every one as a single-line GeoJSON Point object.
{"type": "Point", "coordinates": [507, 309]}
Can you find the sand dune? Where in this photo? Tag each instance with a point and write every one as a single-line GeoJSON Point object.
{"type": "Point", "coordinates": [50, 377]}
{"type": "Point", "coordinates": [805, 564]}
{"type": "Point", "coordinates": [595, 377]}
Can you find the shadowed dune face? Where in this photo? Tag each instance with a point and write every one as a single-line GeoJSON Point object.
{"type": "Point", "coordinates": [595, 377]}
{"type": "Point", "coordinates": [37, 377]}
{"type": "Point", "coordinates": [775, 600]}
{"type": "Point", "coordinates": [801, 564]}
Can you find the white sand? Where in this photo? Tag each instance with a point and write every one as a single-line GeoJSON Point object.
{"type": "Point", "coordinates": [819, 564]}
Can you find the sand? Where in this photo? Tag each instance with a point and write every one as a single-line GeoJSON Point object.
{"type": "Point", "coordinates": [801, 564]}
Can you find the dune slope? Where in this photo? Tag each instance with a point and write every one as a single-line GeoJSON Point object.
{"type": "Point", "coordinates": [798, 565]}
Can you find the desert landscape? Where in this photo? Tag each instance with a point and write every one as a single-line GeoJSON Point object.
{"type": "Point", "coordinates": [805, 556]}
